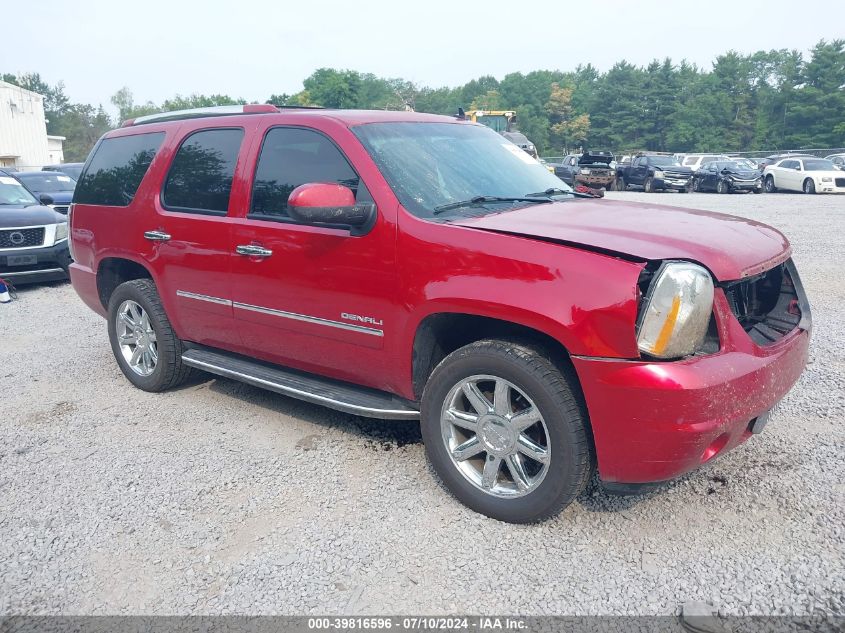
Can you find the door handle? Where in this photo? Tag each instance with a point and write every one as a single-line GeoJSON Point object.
{"type": "Point", "coordinates": [156, 236]}
{"type": "Point", "coordinates": [253, 250]}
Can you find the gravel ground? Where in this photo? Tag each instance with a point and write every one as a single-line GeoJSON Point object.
{"type": "Point", "coordinates": [221, 498]}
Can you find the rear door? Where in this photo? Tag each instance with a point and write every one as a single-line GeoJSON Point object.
{"type": "Point", "coordinates": [319, 299]}
{"type": "Point", "coordinates": [189, 237]}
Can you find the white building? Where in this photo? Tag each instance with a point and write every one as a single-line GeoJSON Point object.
{"type": "Point", "coordinates": [24, 143]}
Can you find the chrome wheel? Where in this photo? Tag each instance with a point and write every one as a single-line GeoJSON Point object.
{"type": "Point", "coordinates": [495, 436]}
{"type": "Point", "coordinates": [136, 338]}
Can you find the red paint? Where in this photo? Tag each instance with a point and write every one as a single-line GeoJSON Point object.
{"type": "Point", "coordinates": [731, 247]}
{"type": "Point", "coordinates": [650, 420]}
{"type": "Point", "coordinates": [321, 194]}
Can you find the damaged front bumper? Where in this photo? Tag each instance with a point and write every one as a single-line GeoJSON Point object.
{"type": "Point", "coordinates": [654, 421]}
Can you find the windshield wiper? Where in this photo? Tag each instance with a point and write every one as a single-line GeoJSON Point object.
{"type": "Point", "coordinates": [556, 191]}
{"type": "Point", "coordinates": [483, 199]}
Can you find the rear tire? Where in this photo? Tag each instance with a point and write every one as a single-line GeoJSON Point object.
{"type": "Point", "coordinates": [473, 452]}
{"type": "Point", "coordinates": [809, 186]}
{"type": "Point", "coordinates": [147, 350]}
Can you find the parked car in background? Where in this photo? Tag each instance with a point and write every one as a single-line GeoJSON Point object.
{"type": "Point", "coordinates": [727, 176]}
{"type": "Point", "coordinates": [591, 169]}
{"type": "Point", "coordinates": [696, 161]}
{"type": "Point", "coordinates": [653, 172]}
{"type": "Point", "coordinates": [71, 169]}
{"type": "Point", "coordinates": [33, 237]}
{"type": "Point", "coordinates": [775, 158]}
{"type": "Point", "coordinates": [838, 160]}
{"type": "Point", "coordinates": [58, 185]}
{"type": "Point", "coordinates": [810, 175]}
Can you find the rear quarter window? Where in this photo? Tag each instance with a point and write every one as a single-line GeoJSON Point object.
{"type": "Point", "coordinates": [117, 169]}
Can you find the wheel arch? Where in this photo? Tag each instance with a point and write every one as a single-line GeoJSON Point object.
{"type": "Point", "coordinates": [113, 271]}
{"type": "Point", "coordinates": [440, 333]}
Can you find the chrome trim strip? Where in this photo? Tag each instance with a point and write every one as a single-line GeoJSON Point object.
{"type": "Point", "coordinates": [198, 297]}
{"type": "Point", "coordinates": [37, 271]}
{"type": "Point", "coordinates": [310, 319]}
{"type": "Point", "coordinates": [339, 405]}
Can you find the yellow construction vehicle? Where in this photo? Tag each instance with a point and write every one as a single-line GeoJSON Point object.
{"type": "Point", "coordinates": [503, 122]}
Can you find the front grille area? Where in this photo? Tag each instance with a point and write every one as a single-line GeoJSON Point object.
{"type": "Point", "coordinates": [676, 174]}
{"type": "Point", "coordinates": [840, 182]}
{"type": "Point", "coordinates": [21, 238]}
{"type": "Point", "coordinates": [766, 305]}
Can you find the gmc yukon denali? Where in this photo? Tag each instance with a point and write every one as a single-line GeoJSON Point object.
{"type": "Point", "coordinates": [410, 266]}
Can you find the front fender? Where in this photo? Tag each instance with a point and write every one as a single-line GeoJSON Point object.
{"type": "Point", "coordinates": [585, 300]}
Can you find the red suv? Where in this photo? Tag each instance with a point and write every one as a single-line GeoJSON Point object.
{"type": "Point", "coordinates": [411, 266]}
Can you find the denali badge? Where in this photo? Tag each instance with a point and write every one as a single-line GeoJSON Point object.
{"type": "Point", "coordinates": [360, 319]}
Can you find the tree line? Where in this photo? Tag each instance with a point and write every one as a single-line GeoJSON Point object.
{"type": "Point", "coordinates": [768, 100]}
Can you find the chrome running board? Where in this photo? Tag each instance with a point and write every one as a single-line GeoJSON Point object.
{"type": "Point", "coordinates": [334, 394]}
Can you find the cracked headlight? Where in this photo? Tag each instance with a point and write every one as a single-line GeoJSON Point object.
{"type": "Point", "coordinates": [675, 313]}
{"type": "Point", "coordinates": [61, 232]}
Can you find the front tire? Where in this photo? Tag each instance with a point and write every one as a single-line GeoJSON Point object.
{"type": "Point", "coordinates": [648, 185]}
{"type": "Point", "coordinates": [620, 184]}
{"type": "Point", "coordinates": [809, 186]}
{"type": "Point", "coordinates": [506, 431]}
{"type": "Point", "coordinates": [147, 350]}
{"type": "Point", "coordinates": [722, 187]}
{"type": "Point", "coordinates": [770, 185]}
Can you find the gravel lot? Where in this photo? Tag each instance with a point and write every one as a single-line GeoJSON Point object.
{"type": "Point", "coordinates": [222, 498]}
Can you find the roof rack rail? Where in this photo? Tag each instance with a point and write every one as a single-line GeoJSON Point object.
{"type": "Point", "coordinates": [226, 110]}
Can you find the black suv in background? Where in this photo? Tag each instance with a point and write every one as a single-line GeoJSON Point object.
{"type": "Point", "coordinates": [33, 237]}
{"type": "Point", "coordinates": [653, 172]}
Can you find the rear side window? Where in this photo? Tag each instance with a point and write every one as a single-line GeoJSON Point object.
{"type": "Point", "coordinates": [200, 178]}
{"type": "Point", "coordinates": [117, 169]}
{"type": "Point", "coordinates": [291, 157]}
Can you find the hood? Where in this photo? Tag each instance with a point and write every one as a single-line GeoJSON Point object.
{"type": "Point", "coordinates": [61, 197]}
{"type": "Point", "coordinates": [595, 158]}
{"type": "Point", "coordinates": [731, 247]}
{"type": "Point", "coordinates": [675, 169]}
{"type": "Point", "coordinates": [36, 215]}
{"type": "Point", "coordinates": [747, 174]}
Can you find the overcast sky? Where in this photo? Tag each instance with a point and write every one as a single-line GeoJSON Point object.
{"type": "Point", "coordinates": [253, 48]}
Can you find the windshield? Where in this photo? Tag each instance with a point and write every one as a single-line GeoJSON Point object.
{"type": "Point", "coordinates": [72, 170]}
{"type": "Point", "coordinates": [819, 164]}
{"type": "Point", "coordinates": [746, 163]}
{"type": "Point", "coordinates": [725, 164]}
{"type": "Point", "coordinates": [664, 161]}
{"type": "Point", "coordinates": [430, 165]}
{"type": "Point", "coordinates": [46, 182]}
{"type": "Point", "coordinates": [13, 193]}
